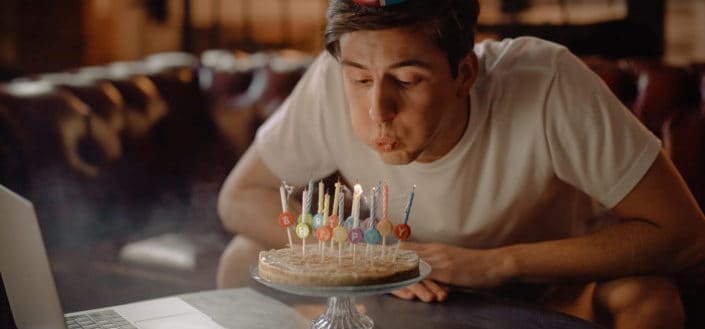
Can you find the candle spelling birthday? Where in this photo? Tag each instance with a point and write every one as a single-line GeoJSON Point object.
{"type": "Point", "coordinates": [355, 235]}
{"type": "Point", "coordinates": [402, 231]}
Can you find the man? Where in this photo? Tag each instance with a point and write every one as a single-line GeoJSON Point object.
{"type": "Point", "coordinates": [528, 170]}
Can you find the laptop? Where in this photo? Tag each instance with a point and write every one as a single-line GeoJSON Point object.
{"type": "Point", "coordinates": [28, 296]}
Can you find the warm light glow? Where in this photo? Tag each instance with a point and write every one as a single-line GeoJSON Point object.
{"type": "Point", "coordinates": [358, 189]}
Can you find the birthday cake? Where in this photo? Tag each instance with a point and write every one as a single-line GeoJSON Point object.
{"type": "Point", "coordinates": [289, 266]}
{"type": "Point", "coordinates": [354, 255]}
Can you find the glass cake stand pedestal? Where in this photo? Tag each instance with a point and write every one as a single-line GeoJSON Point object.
{"type": "Point", "coordinates": [340, 312]}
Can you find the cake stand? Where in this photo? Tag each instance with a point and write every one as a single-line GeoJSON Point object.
{"type": "Point", "coordinates": [340, 310]}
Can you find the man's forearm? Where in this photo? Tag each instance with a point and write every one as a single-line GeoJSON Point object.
{"type": "Point", "coordinates": [629, 248]}
{"type": "Point", "coordinates": [253, 212]}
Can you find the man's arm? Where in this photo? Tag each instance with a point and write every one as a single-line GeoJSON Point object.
{"type": "Point", "coordinates": [663, 232]}
{"type": "Point", "coordinates": [249, 202]}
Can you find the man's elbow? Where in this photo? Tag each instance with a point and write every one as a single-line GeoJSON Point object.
{"type": "Point", "coordinates": [226, 205]}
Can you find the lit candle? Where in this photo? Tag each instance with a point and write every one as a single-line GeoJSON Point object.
{"type": "Point", "coordinates": [335, 221]}
{"type": "Point", "coordinates": [356, 205]}
{"type": "Point", "coordinates": [356, 235]}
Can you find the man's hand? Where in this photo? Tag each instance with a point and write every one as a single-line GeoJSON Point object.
{"type": "Point", "coordinates": [453, 266]}
{"type": "Point", "coordinates": [426, 290]}
{"type": "Point", "coordinates": [471, 268]}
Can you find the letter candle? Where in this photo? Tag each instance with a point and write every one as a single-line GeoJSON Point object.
{"type": "Point", "coordinates": [334, 218]}
{"type": "Point", "coordinates": [371, 234]}
{"type": "Point", "coordinates": [286, 219]}
{"type": "Point", "coordinates": [340, 233]}
{"type": "Point", "coordinates": [324, 232]}
{"type": "Point", "coordinates": [320, 218]}
{"type": "Point", "coordinates": [355, 235]}
{"type": "Point", "coordinates": [403, 231]}
{"type": "Point", "coordinates": [303, 230]}
{"type": "Point", "coordinates": [306, 216]}
{"type": "Point", "coordinates": [385, 225]}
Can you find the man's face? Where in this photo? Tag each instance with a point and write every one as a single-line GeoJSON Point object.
{"type": "Point", "coordinates": [404, 103]}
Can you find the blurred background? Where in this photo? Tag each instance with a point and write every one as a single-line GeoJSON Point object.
{"type": "Point", "coordinates": [119, 120]}
{"type": "Point", "coordinates": [43, 35]}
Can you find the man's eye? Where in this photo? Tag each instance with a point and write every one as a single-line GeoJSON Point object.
{"type": "Point", "coordinates": [407, 83]}
{"type": "Point", "coordinates": [361, 81]}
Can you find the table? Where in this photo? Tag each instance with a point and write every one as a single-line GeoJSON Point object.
{"type": "Point", "coordinates": [262, 307]}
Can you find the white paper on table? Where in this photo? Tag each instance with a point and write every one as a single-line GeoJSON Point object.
{"type": "Point", "coordinates": [183, 321]}
{"type": "Point", "coordinates": [247, 308]}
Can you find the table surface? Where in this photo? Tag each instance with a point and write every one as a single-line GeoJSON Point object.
{"type": "Point", "coordinates": [258, 306]}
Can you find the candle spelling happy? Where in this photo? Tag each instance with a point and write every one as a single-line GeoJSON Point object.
{"type": "Point", "coordinates": [355, 235]}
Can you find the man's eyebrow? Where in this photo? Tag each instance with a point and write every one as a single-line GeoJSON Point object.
{"type": "Point", "coordinates": [410, 62]}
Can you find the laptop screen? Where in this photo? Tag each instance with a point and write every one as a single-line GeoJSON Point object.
{"type": "Point", "coordinates": [6, 319]}
{"type": "Point", "coordinates": [27, 279]}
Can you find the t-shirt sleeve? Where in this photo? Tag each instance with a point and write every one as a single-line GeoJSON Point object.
{"type": "Point", "coordinates": [596, 144]}
{"type": "Point", "coordinates": [292, 142]}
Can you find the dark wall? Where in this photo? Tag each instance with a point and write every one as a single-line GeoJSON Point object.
{"type": "Point", "coordinates": [40, 35]}
{"type": "Point", "coordinates": [640, 34]}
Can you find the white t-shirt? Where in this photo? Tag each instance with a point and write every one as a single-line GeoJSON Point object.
{"type": "Point", "coordinates": [547, 148]}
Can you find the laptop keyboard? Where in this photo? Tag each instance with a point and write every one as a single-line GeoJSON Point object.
{"type": "Point", "coordinates": [107, 319]}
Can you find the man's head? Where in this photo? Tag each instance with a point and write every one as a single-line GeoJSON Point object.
{"type": "Point", "coordinates": [450, 24]}
{"type": "Point", "coordinates": [407, 70]}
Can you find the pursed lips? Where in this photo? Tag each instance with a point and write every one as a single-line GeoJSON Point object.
{"type": "Point", "coordinates": [385, 144]}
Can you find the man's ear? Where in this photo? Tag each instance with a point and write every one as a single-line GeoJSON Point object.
{"type": "Point", "coordinates": [467, 74]}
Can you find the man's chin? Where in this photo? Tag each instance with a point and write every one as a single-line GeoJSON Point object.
{"type": "Point", "coordinates": [395, 158]}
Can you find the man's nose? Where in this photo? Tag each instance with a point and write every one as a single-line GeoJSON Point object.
{"type": "Point", "coordinates": [382, 105]}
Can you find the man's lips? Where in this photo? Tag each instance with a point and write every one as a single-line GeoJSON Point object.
{"type": "Point", "coordinates": [385, 144]}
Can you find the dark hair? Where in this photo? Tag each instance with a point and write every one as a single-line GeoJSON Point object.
{"type": "Point", "coordinates": [449, 23]}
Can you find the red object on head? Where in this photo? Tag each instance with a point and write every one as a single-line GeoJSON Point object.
{"type": "Point", "coordinates": [371, 3]}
